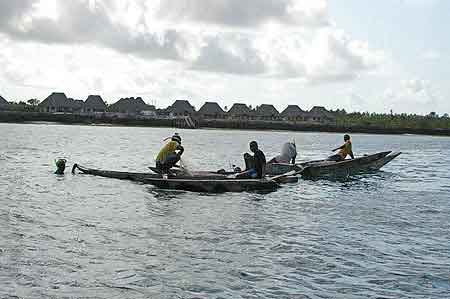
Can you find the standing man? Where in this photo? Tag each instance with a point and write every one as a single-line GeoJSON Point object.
{"type": "Point", "coordinates": [255, 166]}
{"type": "Point", "coordinates": [170, 154]}
{"type": "Point", "coordinates": [344, 150]}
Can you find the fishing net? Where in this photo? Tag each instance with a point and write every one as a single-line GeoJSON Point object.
{"type": "Point", "coordinates": [186, 166]}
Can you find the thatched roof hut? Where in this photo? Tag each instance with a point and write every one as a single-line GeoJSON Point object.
{"type": "Point", "coordinates": [75, 105]}
{"type": "Point", "coordinates": [293, 113]}
{"type": "Point", "coordinates": [240, 111]}
{"type": "Point", "coordinates": [318, 109]}
{"type": "Point", "coordinates": [78, 104]}
{"type": "Point", "coordinates": [3, 103]}
{"type": "Point", "coordinates": [55, 99]}
{"type": "Point", "coordinates": [320, 114]}
{"type": "Point", "coordinates": [211, 110]}
{"type": "Point", "coordinates": [267, 112]}
{"type": "Point", "coordinates": [56, 102]}
{"type": "Point", "coordinates": [181, 108]}
{"type": "Point", "coordinates": [130, 106]}
{"type": "Point", "coordinates": [94, 103]}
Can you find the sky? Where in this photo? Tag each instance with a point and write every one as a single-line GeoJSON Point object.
{"type": "Point", "coordinates": [357, 55]}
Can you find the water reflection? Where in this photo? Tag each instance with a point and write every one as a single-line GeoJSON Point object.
{"type": "Point", "coordinates": [162, 194]}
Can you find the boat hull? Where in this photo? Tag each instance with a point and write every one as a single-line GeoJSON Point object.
{"type": "Point", "coordinates": [199, 182]}
{"type": "Point", "coordinates": [214, 186]}
{"type": "Point", "coordinates": [326, 168]}
{"type": "Point", "coordinates": [347, 167]}
{"type": "Point", "coordinates": [378, 164]}
{"type": "Point", "coordinates": [280, 168]}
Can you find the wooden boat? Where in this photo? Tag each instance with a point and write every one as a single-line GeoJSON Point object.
{"type": "Point", "coordinates": [326, 168]}
{"type": "Point", "coordinates": [347, 167]}
{"type": "Point", "coordinates": [198, 182]}
{"type": "Point", "coordinates": [214, 185]}
{"type": "Point", "coordinates": [376, 165]}
{"type": "Point", "coordinates": [132, 176]}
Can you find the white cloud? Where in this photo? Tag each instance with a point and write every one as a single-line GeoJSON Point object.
{"type": "Point", "coordinates": [320, 53]}
{"type": "Point", "coordinates": [336, 57]}
{"type": "Point", "coordinates": [431, 55]}
{"type": "Point", "coordinates": [255, 51]}
{"type": "Point", "coordinates": [76, 24]}
{"type": "Point", "coordinates": [413, 95]}
{"type": "Point", "coordinates": [421, 3]}
{"type": "Point", "coordinates": [234, 55]}
{"type": "Point", "coordinates": [415, 86]}
{"type": "Point", "coordinates": [247, 13]}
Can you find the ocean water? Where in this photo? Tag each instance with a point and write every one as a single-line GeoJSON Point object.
{"type": "Point", "coordinates": [379, 235]}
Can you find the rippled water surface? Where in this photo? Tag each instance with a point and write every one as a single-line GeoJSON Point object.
{"type": "Point", "coordinates": [380, 235]}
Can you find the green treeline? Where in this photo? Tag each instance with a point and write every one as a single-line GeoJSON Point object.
{"type": "Point", "coordinates": [393, 121]}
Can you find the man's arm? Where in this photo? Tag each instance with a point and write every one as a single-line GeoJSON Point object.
{"type": "Point", "coordinates": [260, 160]}
{"type": "Point", "coordinates": [351, 155]}
{"type": "Point", "coordinates": [293, 159]}
{"type": "Point", "coordinates": [338, 148]}
{"type": "Point", "coordinates": [180, 149]}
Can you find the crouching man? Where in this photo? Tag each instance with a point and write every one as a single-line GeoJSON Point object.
{"type": "Point", "coordinates": [169, 155]}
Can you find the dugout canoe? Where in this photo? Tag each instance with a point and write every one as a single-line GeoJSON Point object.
{"type": "Point", "coordinates": [325, 168]}
{"type": "Point", "coordinates": [214, 185]}
{"type": "Point", "coordinates": [199, 182]}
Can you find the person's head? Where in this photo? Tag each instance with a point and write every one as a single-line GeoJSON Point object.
{"type": "Point", "coordinates": [346, 137]}
{"type": "Point", "coordinates": [60, 165]}
{"type": "Point", "coordinates": [253, 146]}
{"type": "Point", "coordinates": [176, 137]}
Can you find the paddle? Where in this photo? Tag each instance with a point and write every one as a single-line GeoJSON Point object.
{"type": "Point", "coordinates": [286, 174]}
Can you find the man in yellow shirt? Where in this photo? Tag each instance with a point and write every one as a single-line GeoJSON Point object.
{"type": "Point", "coordinates": [344, 150]}
{"type": "Point", "coordinates": [170, 154]}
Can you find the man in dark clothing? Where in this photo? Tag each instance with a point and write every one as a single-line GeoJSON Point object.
{"type": "Point", "coordinates": [255, 165]}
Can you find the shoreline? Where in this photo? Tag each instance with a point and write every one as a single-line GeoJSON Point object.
{"type": "Point", "coordinates": [251, 125]}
